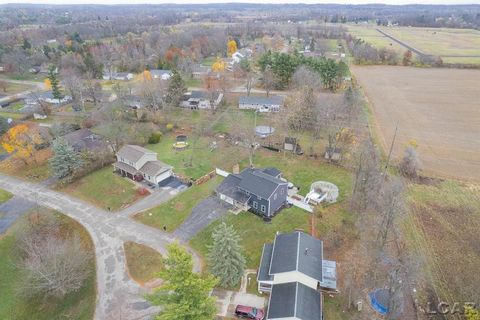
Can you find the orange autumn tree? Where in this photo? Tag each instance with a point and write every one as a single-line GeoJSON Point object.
{"type": "Point", "coordinates": [48, 84]}
{"type": "Point", "coordinates": [219, 65]}
{"type": "Point", "coordinates": [146, 76]}
{"type": "Point", "coordinates": [231, 47]}
{"type": "Point", "coordinates": [20, 141]}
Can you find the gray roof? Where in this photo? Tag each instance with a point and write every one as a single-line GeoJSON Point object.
{"type": "Point", "coordinates": [294, 299]}
{"type": "Point", "coordinates": [229, 187]}
{"type": "Point", "coordinates": [255, 181]}
{"type": "Point", "coordinates": [197, 94]}
{"type": "Point", "coordinates": [133, 153]}
{"type": "Point", "coordinates": [154, 168]}
{"type": "Point", "coordinates": [258, 182]}
{"type": "Point", "coordinates": [263, 274]}
{"type": "Point", "coordinates": [274, 172]}
{"type": "Point", "coordinates": [297, 251]}
{"type": "Point", "coordinates": [272, 100]}
{"type": "Point", "coordinates": [84, 139]}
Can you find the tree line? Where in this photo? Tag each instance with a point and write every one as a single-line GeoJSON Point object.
{"type": "Point", "coordinates": [283, 67]}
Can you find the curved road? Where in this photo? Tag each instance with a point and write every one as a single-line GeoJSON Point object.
{"type": "Point", "coordinates": [117, 295]}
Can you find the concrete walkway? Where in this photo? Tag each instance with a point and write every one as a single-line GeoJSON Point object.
{"type": "Point", "coordinates": [117, 295]}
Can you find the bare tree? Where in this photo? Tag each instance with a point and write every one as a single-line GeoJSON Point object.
{"type": "Point", "coordinates": [53, 266]}
{"type": "Point", "coordinates": [410, 164]}
{"type": "Point", "coordinates": [304, 77]}
{"type": "Point", "coordinates": [268, 79]}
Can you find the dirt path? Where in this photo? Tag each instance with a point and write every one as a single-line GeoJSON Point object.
{"type": "Point", "coordinates": [117, 295]}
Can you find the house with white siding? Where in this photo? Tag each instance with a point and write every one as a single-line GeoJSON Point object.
{"type": "Point", "coordinates": [138, 163]}
{"type": "Point", "coordinates": [261, 104]}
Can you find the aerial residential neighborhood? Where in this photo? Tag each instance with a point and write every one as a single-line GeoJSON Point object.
{"type": "Point", "coordinates": [220, 161]}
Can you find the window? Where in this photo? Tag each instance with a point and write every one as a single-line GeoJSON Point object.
{"type": "Point", "coordinates": [263, 208]}
{"type": "Point", "coordinates": [255, 205]}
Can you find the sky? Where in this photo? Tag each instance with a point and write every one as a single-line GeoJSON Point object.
{"type": "Point", "coordinates": [394, 2]}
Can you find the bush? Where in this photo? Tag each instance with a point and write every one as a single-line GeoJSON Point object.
{"type": "Point", "coordinates": [155, 137]}
{"type": "Point", "coordinates": [170, 126]}
{"type": "Point", "coordinates": [142, 192]}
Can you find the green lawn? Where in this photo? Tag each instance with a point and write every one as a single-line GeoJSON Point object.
{"type": "Point", "coordinates": [193, 82]}
{"type": "Point", "coordinates": [144, 263]}
{"type": "Point", "coordinates": [172, 213]}
{"type": "Point", "coordinates": [303, 171]}
{"type": "Point", "coordinates": [5, 196]}
{"type": "Point", "coordinates": [209, 61]}
{"type": "Point", "coordinates": [254, 232]}
{"type": "Point", "coordinates": [77, 305]}
{"type": "Point", "coordinates": [203, 159]}
{"type": "Point", "coordinates": [105, 189]}
{"type": "Point", "coordinates": [13, 115]}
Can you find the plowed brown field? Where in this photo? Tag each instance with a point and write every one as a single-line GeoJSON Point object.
{"type": "Point", "coordinates": [438, 108]}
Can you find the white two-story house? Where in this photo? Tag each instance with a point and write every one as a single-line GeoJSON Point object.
{"type": "Point", "coordinates": [139, 164]}
{"type": "Point", "coordinates": [293, 271]}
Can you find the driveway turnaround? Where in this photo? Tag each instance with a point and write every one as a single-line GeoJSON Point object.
{"type": "Point", "coordinates": [118, 297]}
{"type": "Point", "coordinates": [202, 215]}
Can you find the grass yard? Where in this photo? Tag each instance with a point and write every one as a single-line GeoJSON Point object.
{"type": "Point", "coordinates": [254, 232]}
{"type": "Point", "coordinates": [105, 189]}
{"type": "Point", "coordinates": [12, 115]}
{"type": "Point", "coordinates": [35, 172]}
{"type": "Point", "coordinates": [303, 171]}
{"type": "Point", "coordinates": [172, 213]}
{"type": "Point", "coordinates": [78, 305]}
{"type": "Point", "coordinates": [441, 227]}
{"type": "Point", "coordinates": [208, 61]}
{"type": "Point", "coordinates": [144, 263]}
{"type": "Point", "coordinates": [5, 196]}
{"type": "Point", "coordinates": [203, 158]}
{"type": "Point", "coordinates": [193, 82]}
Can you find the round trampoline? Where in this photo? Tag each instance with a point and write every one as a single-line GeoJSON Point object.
{"type": "Point", "coordinates": [180, 145]}
{"type": "Point", "coordinates": [264, 131]}
{"type": "Point", "coordinates": [379, 300]}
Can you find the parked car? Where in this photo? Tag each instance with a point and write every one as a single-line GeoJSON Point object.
{"type": "Point", "coordinates": [249, 312]}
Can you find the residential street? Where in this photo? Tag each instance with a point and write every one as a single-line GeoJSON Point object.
{"type": "Point", "coordinates": [116, 292]}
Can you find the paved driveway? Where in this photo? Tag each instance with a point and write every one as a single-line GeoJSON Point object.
{"type": "Point", "coordinates": [227, 301]}
{"type": "Point", "coordinates": [202, 215]}
{"type": "Point", "coordinates": [11, 210]}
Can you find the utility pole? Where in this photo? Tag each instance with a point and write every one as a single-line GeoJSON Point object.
{"type": "Point", "coordinates": [390, 151]}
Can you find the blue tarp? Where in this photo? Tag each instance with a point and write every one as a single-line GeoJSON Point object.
{"type": "Point", "coordinates": [379, 300]}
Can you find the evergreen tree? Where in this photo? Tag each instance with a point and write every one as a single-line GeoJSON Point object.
{"type": "Point", "coordinates": [225, 256]}
{"type": "Point", "coordinates": [65, 160]}
{"type": "Point", "coordinates": [176, 89]}
{"type": "Point", "coordinates": [4, 126]}
{"type": "Point", "coordinates": [52, 76]}
{"type": "Point", "coordinates": [185, 295]}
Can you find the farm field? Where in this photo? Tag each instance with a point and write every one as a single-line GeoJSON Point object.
{"type": "Point", "coordinates": [453, 45]}
{"type": "Point", "coordinates": [438, 108]}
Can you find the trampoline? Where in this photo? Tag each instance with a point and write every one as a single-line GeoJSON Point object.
{"type": "Point", "coordinates": [264, 131]}
{"type": "Point", "coordinates": [379, 300]}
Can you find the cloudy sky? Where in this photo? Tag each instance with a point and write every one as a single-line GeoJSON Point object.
{"type": "Point", "coordinates": [250, 1]}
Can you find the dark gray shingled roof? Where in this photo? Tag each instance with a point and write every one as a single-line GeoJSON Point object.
{"type": "Point", "coordinates": [272, 100]}
{"type": "Point", "coordinates": [294, 299]}
{"type": "Point", "coordinates": [284, 255]}
{"type": "Point", "coordinates": [297, 251]}
{"type": "Point", "coordinates": [259, 183]}
{"type": "Point", "coordinates": [274, 172]}
{"type": "Point", "coordinates": [263, 274]}
{"type": "Point", "coordinates": [255, 181]}
{"type": "Point", "coordinates": [229, 187]}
